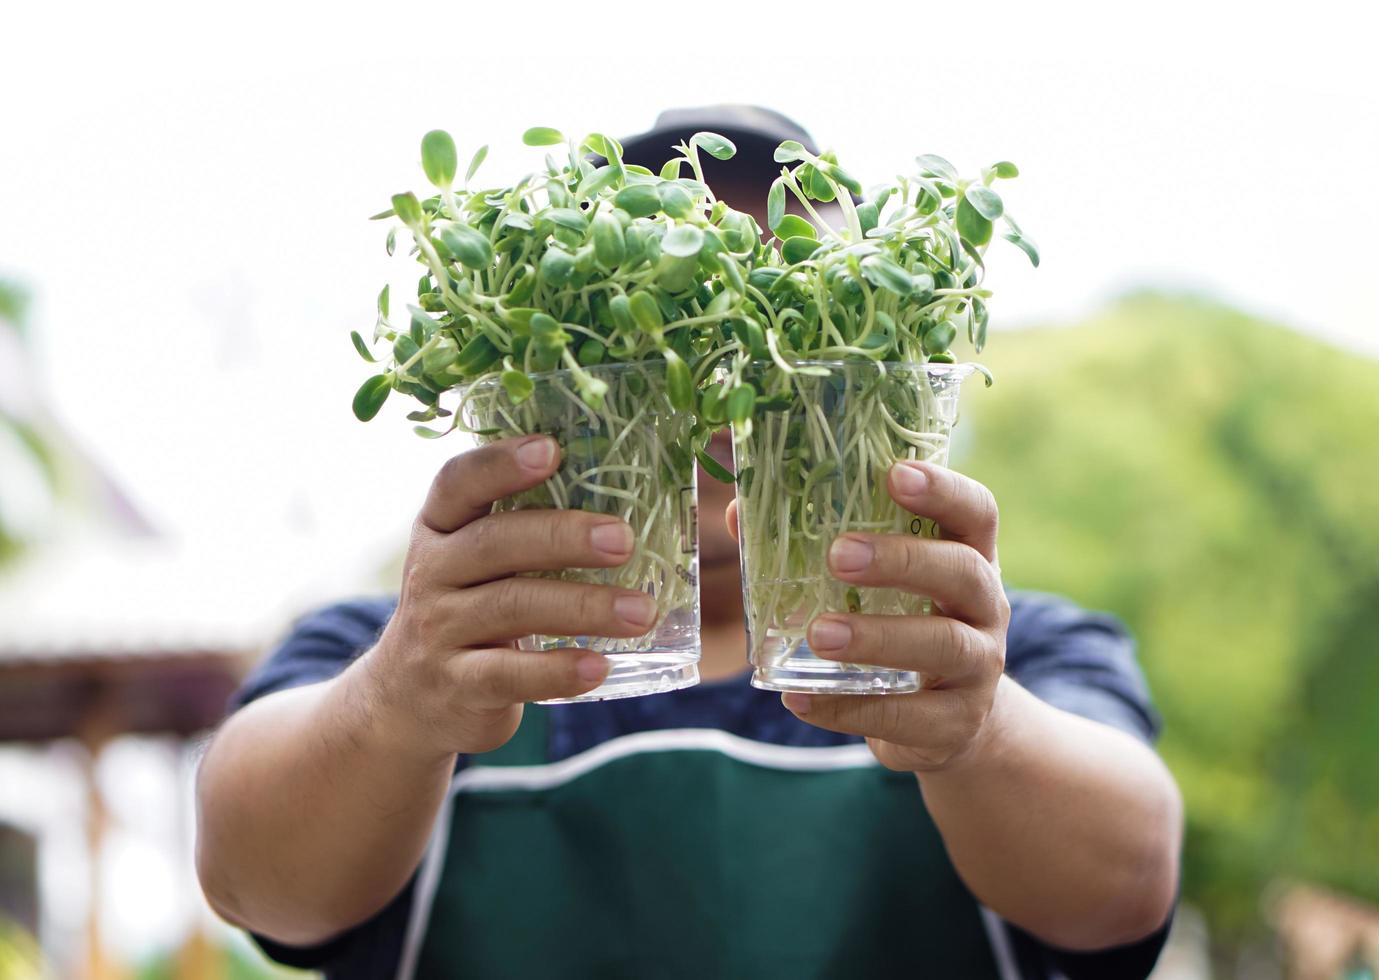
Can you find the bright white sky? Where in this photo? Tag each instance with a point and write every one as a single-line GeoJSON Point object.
{"type": "Point", "coordinates": [184, 186]}
{"type": "Point", "coordinates": [186, 191]}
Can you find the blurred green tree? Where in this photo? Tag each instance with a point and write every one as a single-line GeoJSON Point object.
{"type": "Point", "coordinates": [1213, 479]}
{"type": "Point", "coordinates": [22, 444]}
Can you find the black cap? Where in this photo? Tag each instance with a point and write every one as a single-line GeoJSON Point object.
{"type": "Point", "coordinates": [756, 132]}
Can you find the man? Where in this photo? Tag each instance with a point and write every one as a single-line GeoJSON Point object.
{"type": "Point", "coordinates": [386, 802]}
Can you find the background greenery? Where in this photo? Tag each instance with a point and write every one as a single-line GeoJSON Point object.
{"type": "Point", "coordinates": [22, 443]}
{"type": "Point", "coordinates": [1213, 480]}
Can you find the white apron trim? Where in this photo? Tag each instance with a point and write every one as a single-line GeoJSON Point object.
{"type": "Point", "coordinates": [1000, 944]}
{"type": "Point", "coordinates": [478, 779]}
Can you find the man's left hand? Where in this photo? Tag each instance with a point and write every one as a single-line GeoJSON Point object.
{"type": "Point", "coordinates": [959, 651]}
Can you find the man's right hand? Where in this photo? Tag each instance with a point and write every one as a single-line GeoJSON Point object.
{"type": "Point", "coordinates": [444, 676]}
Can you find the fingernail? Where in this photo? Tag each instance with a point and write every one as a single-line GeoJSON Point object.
{"type": "Point", "coordinates": [639, 610]}
{"type": "Point", "coordinates": [591, 668]}
{"type": "Point", "coordinates": [850, 555]}
{"type": "Point", "coordinates": [909, 480]}
{"type": "Point", "coordinates": [829, 634]}
{"type": "Point", "coordinates": [537, 453]}
{"type": "Point", "coordinates": [798, 703]}
{"type": "Point", "coordinates": [612, 538]}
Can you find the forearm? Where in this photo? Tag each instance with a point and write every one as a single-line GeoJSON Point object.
{"type": "Point", "coordinates": [311, 814]}
{"type": "Point", "coordinates": [1067, 828]}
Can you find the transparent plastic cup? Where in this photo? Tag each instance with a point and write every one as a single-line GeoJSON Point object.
{"type": "Point", "coordinates": [628, 459]}
{"type": "Point", "coordinates": [814, 470]}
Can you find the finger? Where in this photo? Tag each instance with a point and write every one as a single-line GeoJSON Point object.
{"type": "Point", "coordinates": [730, 518]}
{"type": "Point", "coordinates": [890, 717]}
{"type": "Point", "coordinates": [955, 576]}
{"type": "Point", "coordinates": [512, 608]}
{"type": "Point", "coordinates": [497, 677]}
{"type": "Point", "coordinates": [940, 648]}
{"type": "Point", "coordinates": [964, 509]}
{"type": "Point", "coordinates": [529, 541]}
{"type": "Point", "coordinates": [468, 484]}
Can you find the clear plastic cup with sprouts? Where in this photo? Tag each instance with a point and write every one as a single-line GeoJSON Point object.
{"type": "Point", "coordinates": [628, 458]}
{"type": "Point", "coordinates": [815, 467]}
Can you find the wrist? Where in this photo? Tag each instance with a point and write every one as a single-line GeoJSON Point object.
{"type": "Point", "coordinates": [991, 744]}
{"type": "Point", "coordinates": [380, 711]}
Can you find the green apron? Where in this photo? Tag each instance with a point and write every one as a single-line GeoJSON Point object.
{"type": "Point", "coordinates": [689, 862]}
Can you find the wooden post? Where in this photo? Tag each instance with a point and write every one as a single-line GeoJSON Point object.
{"type": "Point", "coordinates": [98, 726]}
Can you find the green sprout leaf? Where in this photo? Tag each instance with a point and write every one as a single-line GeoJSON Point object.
{"type": "Point", "coordinates": [610, 246]}
{"type": "Point", "coordinates": [980, 321]}
{"type": "Point", "coordinates": [1024, 244]}
{"type": "Point", "coordinates": [1005, 169]}
{"type": "Point", "coordinates": [518, 386]}
{"type": "Point", "coordinates": [568, 218]}
{"type": "Point", "coordinates": [542, 136]}
{"type": "Point", "coordinates": [371, 396]}
{"type": "Point", "coordinates": [407, 208]}
{"type": "Point", "coordinates": [798, 249]}
{"type": "Point", "coordinates": [438, 158]}
{"type": "Point", "coordinates": [471, 247]}
{"type": "Point", "coordinates": [557, 267]}
{"type": "Point", "coordinates": [815, 185]}
{"type": "Point", "coordinates": [868, 215]}
{"type": "Point", "coordinates": [646, 313]}
{"type": "Point", "coordinates": [362, 347]}
{"type": "Point", "coordinates": [683, 241]}
{"type": "Point", "coordinates": [932, 165]}
{"type": "Point", "coordinates": [846, 179]}
{"type": "Point", "coordinates": [974, 228]}
{"type": "Point", "coordinates": [884, 273]}
{"type": "Point", "coordinates": [793, 226]}
{"type": "Point", "coordinates": [741, 401]}
{"type": "Point", "coordinates": [675, 200]}
{"type": "Point", "coordinates": [604, 146]}
{"type": "Point", "coordinates": [713, 467]}
{"type": "Point", "coordinates": [621, 309]}
{"type": "Point", "coordinates": [789, 151]}
{"type": "Point", "coordinates": [986, 201]}
{"type": "Point", "coordinates": [940, 337]}
{"type": "Point", "coordinates": [718, 147]}
{"type": "Point", "coordinates": [775, 204]}
{"type": "Point", "coordinates": [479, 156]}
{"type": "Point", "coordinates": [638, 200]}
{"type": "Point", "coordinates": [679, 385]}
{"type": "Point", "coordinates": [476, 357]}
{"type": "Point", "coordinates": [596, 181]}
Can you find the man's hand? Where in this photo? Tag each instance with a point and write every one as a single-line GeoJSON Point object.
{"type": "Point", "coordinates": [315, 803]}
{"type": "Point", "coordinates": [444, 674]}
{"type": "Point", "coordinates": [1018, 789]}
{"type": "Point", "coordinates": [959, 651]}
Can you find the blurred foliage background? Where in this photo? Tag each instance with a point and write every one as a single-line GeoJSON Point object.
{"type": "Point", "coordinates": [1213, 479]}
{"type": "Point", "coordinates": [22, 444]}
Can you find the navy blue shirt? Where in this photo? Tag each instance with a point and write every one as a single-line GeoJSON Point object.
{"type": "Point", "coordinates": [1081, 662]}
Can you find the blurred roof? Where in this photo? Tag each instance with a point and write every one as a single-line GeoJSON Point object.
{"type": "Point", "coordinates": [101, 634]}
{"type": "Point", "coordinates": [106, 596]}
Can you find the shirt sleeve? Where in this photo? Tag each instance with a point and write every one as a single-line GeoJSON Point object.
{"type": "Point", "coordinates": [318, 647]}
{"type": "Point", "coordinates": [1079, 661]}
{"type": "Point", "coordinates": [1084, 663]}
